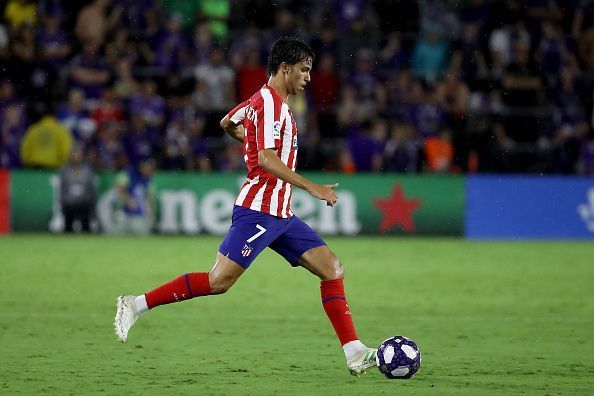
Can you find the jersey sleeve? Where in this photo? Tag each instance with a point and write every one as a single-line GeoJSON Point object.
{"type": "Point", "coordinates": [268, 122]}
{"type": "Point", "coordinates": [237, 115]}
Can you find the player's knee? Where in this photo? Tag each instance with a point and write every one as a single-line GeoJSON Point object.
{"type": "Point", "coordinates": [218, 284]}
{"type": "Point", "coordinates": [336, 269]}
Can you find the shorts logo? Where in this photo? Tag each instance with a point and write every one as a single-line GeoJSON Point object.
{"type": "Point", "coordinates": [246, 251]}
{"type": "Point", "coordinates": [276, 129]}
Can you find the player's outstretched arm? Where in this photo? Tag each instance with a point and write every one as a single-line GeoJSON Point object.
{"type": "Point", "coordinates": [234, 130]}
{"type": "Point", "coordinates": [269, 161]}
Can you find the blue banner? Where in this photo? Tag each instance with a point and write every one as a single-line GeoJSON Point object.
{"type": "Point", "coordinates": [528, 207]}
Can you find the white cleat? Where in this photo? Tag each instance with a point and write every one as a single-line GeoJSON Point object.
{"type": "Point", "coordinates": [362, 362]}
{"type": "Point", "coordinates": [126, 315]}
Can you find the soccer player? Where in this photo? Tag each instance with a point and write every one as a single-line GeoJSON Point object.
{"type": "Point", "coordinates": [262, 214]}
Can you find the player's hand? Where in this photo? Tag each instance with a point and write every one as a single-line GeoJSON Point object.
{"type": "Point", "coordinates": [325, 192]}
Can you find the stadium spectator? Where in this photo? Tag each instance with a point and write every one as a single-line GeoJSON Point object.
{"type": "Point", "coordinates": [425, 112]}
{"type": "Point", "coordinates": [106, 149]}
{"type": "Point", "coordinates": [345, 162]}
{"type": "Point", "coordinates": [149, 105]}
{"type": "Point", "coordinates": [366, 146]}
{"type": "Point", "coordinates": [351, 113]}
{"type": "Point", "coordinates": [89, 71]}
{"type": "Point", "coordinates": [401, 153]}
{"type": "Point", "coordinates": [135, 189]}
{"type": "Point", "coordinates": [120, 46]}
{"type": "Point", "coordinates": [439, 152]}
{"type": "Point", "coordinates": [327, 41]}
{"type": "Point", "coordinates": [201, 44]}
{"type": "Point", "coordinates": [125, 84]}
{"type": "Point", "coordinates": [185, 11]}
{"type": "Point", "coordinates": [215, 90]}
{"type": "Point", "coordinates": [251, 75]}
{"type": "Point", "coordinates": [364, 76]}
{"type": "Point", "coordinates": [453, 95]}
{"type": "Point", "coordinates": [108, 109]}
{"type": "Point", "coordinates": [553, 52]}
{"type": "Point", "coordinates": [139, 142]}
{"type": "Point", "coordinates": [150, 35]}
{"type": "Point", "coordinates": [468, 58]}
{"type": "Point", "coordinates": [429, 59]}
{"type": "Point", "coordinates": [169, 47]}
{"type": "Point", "coordinates": [393, 57]}
{"type": "Point", "coordinates": [20, 12]}
{"type": "Point", "coordinates": [8, 95]}
{"type": "Point", "coordinates": [359, 36]}
{"type": "Point", "coordinates": [75, 117]}
{"type": "Point", "coordinates": [22, 62]}
{"type": "Point", "coordinates": [54, 44]}
{"type": "Point", "coordinates": [522, 84]}
{"type": "Point", "coordinates": [285, 25]}
{"type": "Point", "coordinates": [177, 93]}
{"type": "Point", "coordinates": [95, 20]}
{"type": "Point", "coordinates": [200, 157]}
{"type": "Point", "coordinates": [216, 14]}
{"type": "Point", "coordinates": [77, 192]}
{"type": "Point", "coordinates": [177, 150]}
{"type": "Point", "coordinates": [46, 144]}
{"type": "Point", "coordinates": [232, 158]}
{"type": "Point", "coordinates": [134, 16]}
{"type": "Point", "coordinates": [250, 40]}
{"type": "Point", "coordinates": [12, 130]}
{"type": "Point", "coordinates": [503, 40]}
{"type": "Point", "coordinates": [569, 123]}
{"type": "Point", "coordinates": [4, 42]}
{"type": "Point", "coordinates": [348, 11]}
{"type": "Point", "coordinates": [325, 91]}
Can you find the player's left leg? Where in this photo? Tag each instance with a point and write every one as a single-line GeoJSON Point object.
{"type": "Point", "coordinates": [322, 262]}
{"type": "Point", "coordinates": [301, 246]}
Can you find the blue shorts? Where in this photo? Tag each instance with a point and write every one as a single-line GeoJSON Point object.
{"type": "Point", "coordinates": [251, 232]}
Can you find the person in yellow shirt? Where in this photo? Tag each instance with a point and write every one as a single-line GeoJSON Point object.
{"type": "Point", "coordinates": [46, 144]}
{"type": "Point", "coordinates": [20, 12]}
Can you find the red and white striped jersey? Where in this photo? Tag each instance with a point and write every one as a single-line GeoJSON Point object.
{"type": "Point", "coordinates": [268, 124]}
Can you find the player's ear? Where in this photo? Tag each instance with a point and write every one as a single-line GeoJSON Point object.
{"type": "Point", "coordinates": [284, 67]}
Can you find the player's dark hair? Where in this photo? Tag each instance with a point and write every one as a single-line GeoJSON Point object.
{"type": "Point", "coordinates": [289, 50]}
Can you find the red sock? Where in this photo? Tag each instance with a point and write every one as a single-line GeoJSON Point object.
{"type": "Point", "coordinates": [337, 309]}
{"type": "Point", "coordinates": [190, 285]}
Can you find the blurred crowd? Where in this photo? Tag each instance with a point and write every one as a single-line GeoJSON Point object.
{"type": "Point", "coordinates": [397, 86]}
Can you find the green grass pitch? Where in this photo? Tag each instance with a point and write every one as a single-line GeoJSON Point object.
{"type": "Point", "coordinates": [489, 318]}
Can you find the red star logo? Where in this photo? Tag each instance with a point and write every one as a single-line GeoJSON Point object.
{"type": "Point", "coordinates": [397, 210]}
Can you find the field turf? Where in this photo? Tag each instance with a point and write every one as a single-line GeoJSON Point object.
{"type": "Point", "coordinates": [490, 318]}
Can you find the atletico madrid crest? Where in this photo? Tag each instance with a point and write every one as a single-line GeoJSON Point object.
{"type": "Point", "coordinates": [246, 251]}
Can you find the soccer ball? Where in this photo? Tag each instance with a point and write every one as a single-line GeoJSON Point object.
{"type": "Point", "coordinates": [398, 358]}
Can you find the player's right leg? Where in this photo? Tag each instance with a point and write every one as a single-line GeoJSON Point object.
{"type": "Point", "coordinates": [302, 246]}
{"type": "Point", "coordinates": [221, 277]}
{"type": "Point", "coordinates": [322, 262]}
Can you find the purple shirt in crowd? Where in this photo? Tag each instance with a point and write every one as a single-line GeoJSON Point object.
{"type": "Point", "coordinates": [363, 149]}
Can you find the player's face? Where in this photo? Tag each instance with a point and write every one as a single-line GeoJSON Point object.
{"type": "Point", "coordinates": [298, 76]}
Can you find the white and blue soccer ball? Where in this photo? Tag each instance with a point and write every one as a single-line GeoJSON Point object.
{"type": "Point", "coordinates": [398, 357]}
